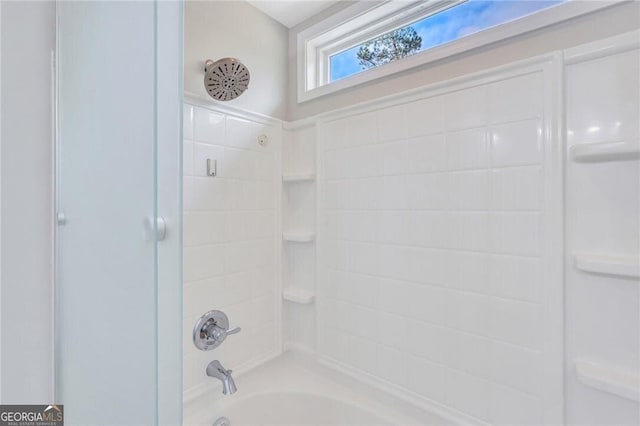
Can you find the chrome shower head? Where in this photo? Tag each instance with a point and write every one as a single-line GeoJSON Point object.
{"type": "Point", "coordinates": [225, 79]}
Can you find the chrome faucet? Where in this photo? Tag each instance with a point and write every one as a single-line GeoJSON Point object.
{"type": "Point", "coordinates": [215, 369]}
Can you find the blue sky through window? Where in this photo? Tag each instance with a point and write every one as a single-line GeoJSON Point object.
{"type": "Point", "coordinates": [461, 20]}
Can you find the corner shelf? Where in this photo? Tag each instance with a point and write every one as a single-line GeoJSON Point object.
{"type": "Point", "coordinates": [303, 177]}
{"type": "Point", "coordinates": [299, 237]}
{"type": "Point", "coordinates": [604, 378]}
{"type": "Point", "coordinates": [624, 266]}
{"type": "Point", "coordinates": [606, 151]}
{"type": "Point", "coordinates": [298, 295]}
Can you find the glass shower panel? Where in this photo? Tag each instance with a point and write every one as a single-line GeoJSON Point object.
{"type": "Point", "coordinates": [118, 126]}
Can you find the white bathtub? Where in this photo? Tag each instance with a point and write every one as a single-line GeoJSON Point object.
{"type": "Point", "coordinates": [298, 409]}
{"type": "Point", "coordinates": [288, 391]}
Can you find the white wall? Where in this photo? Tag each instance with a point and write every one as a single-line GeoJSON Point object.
{"type": "Point", "coordinates": [605, 23]}
{"type": "Point", "coordinates": [602, 219]}
{"type": "Point", "coordinates": [232, 239]}
{"type": "Point", "coordinates": [220, 29]}
{"type": "Point", "coordinates": [441, 257]}
{"type": "Point", "coordinates": [28, 38]}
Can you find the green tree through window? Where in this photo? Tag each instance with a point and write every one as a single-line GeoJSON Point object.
{"type": "Point", "coordinates": [389, 47]}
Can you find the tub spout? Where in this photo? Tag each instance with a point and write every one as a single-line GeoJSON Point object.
{"type": "Point", "coordinates": [216, 370]}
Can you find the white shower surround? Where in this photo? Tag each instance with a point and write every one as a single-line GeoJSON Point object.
{"type": "Point", "coordinates": [511, 393]}
{"type": "Point", "coordinates": [602, 208]}
{"type": "Point", "coordinates": [447, 307]}
{"type": "Point", "coordinates": [231, 236]}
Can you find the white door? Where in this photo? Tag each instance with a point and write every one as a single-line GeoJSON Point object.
{"type": "Point", "coordinates": [118, 283]}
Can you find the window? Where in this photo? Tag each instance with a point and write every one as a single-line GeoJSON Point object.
{"type": "Point", "coordinates": [452, 23]}
{"type": "Point", "coordinates": [371, 40]}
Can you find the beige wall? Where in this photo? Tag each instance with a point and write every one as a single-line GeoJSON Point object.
{"type": "Point", "coordinates": [220, 29]}
{"type": "Point", "coordinates": [28, 38]}
{"type": "Point", "coordinates": [605, 23]}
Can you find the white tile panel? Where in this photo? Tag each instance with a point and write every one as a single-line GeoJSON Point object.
{"type": "Point", "coordinates": [516, 188]}
{"type": "Point", "coordinates": [230, 230]}
{"type": "Point", "coordinates": [467, 312]}
{"type": "Point", "coordinates": [517, 233]}
{"type": "Point", "coordinates": [390, 365]}
{"type": "Point", "coordinates": [427, 303]}
{"type": "Point", "coordinates": [205, 294]}
{"type": "Point", "coordinates": [187, 122]}
{"type": "Point", "coordinates": [394, 331]}
{"type": "Point", "coordinates": [517, 367]}
{"type": "Point", "coordinates": [427, 340]}
{"type": "Point", "coordinates": [467, 149]}
{"type": "Point", "coordinates": [208, 126]}
{"type": "Point", "coordinates": [395, 157]}
{"type": "Point", "coordinates": [470, 271]}
{"type": "Point", "coordinates": [602, 210]}
{"type": "Point", "coordinates": [425, 117]}
{"type": "Point", "coordinates": [361, 130]}
{"type": "Point", "coordinates": [516, 144]}
{"type": "Point", "coordinates": [469, 190]}
{"type": "Point", "coordinates": [392, 123]}
{"type": "Point", "coordinates": [514, 322]}
{"type": "Point", "coordinates": [427, 154]}
{"type": "Point", "coordinates": [364, 353]}
{"type": "Point", "coordinates": [467, 393]}
{"type": "Point", "coordinates": [425, 377]}
{"type": "Point", "coordinates": [468, 352]}
{"type": "Point", "coordinates": [510, 407]}
{"type": "Point", "coordinates": [466, 108]}
{"type": "Point", "coordinates": [204, 228]}
{"type": "Point", "coordinates": [203, 152]}
{"type": "Point", "coordinates": [515, 277]}
{"type": "Point", "coordinates": [429, 191]}
{"type": "Point", "coordinates": [187, 157]}
{"type": "Point", "coordinates": [203, 262]}
{"type": "Point", "coordinates": [515, 99]}
{"type": "Point", "coordinates": [436, 234]}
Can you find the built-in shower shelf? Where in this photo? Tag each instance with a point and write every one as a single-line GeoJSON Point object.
{"type": "Point", "coordinates": [298, 295]}
{"type": "Point", "coordinates": [625, 384]}
{"type": "Point", "coordinates": [303, 177]}
{"type": "Point", "coordinates": [299, 237]}
{"type": "Point", "coordinates": [623, 266]}
{"type": "Point", "coordinates": [606, 151]}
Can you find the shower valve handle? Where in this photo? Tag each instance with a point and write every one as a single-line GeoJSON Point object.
{"type": "Point", "coordinates": [214, 331]}
{"type": "Point", "coordinates": [211, 330]}
{"type": "Point", "coordinates": [234, 330]}
{"type": "Point", "coordinates": [224, 333]}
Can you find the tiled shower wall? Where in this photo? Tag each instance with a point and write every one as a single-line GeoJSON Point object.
{"type": "Point", "coordinates": [603, 211]}
{"type": "Point", "coordinates": [433, 252]}
{"type": "Point", "coordinates": [231, 238]}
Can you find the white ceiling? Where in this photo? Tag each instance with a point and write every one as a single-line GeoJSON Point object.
{"type": "Point", "coordinates": [291, 12]}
